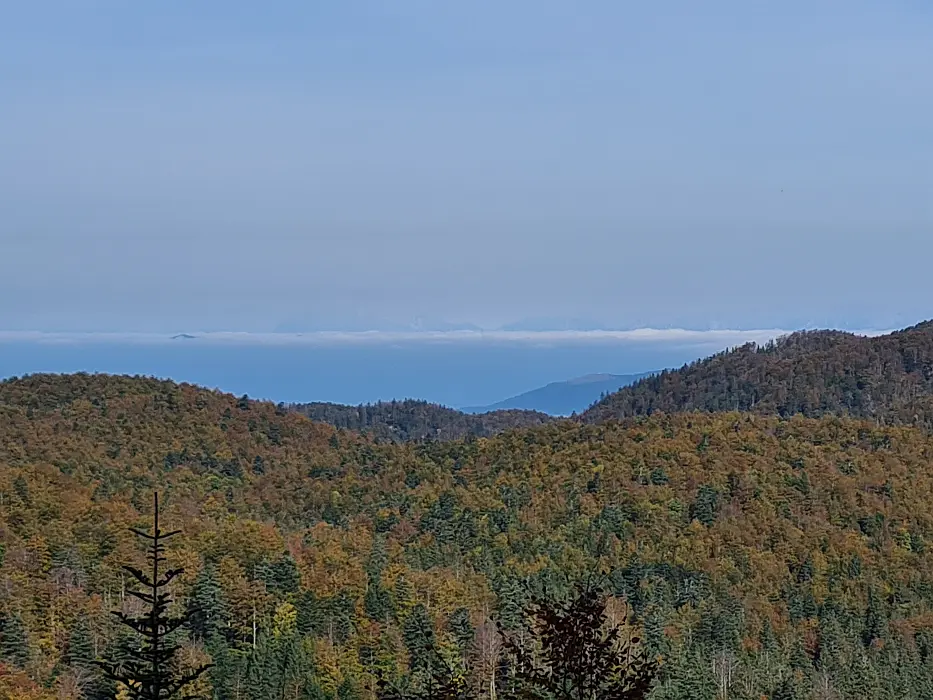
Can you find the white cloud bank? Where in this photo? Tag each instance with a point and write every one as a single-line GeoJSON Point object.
{"type": "Point", "coordinates": [674, 336]}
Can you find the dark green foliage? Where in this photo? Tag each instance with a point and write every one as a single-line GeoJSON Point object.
{"type": "Point", "coordinates": [688, 676]}
{"type": "Point", "coordinates": [281, 577]}
{"type": "Point", "coordinates": [720, 625]}
{"type": "Point", "coordinates": [347, 691]}
{"type": "Point", "coordinates": [330, 617]}
{"type": "Point", "coordinates": [785, 690]}
{"type": "Point", "coordinates": [706, 505]}
{"type": "Point", "coordinates": [207, 613]}
{"type": "Point", "coordinates": [512, 599]}
{"type": "Point", "coordinates": [875, 619]}
{"type": "Point", "coordinates": [14, 641]}
{"type": "Point", "coordinates": [378, 601]}
{"type": "Point", "coordinates": [430, 677]}
{"type": "Point", "coordinates": [418, 634]}
{"type": "Point", "coordinates": [80, 649]}
{"type": "Point", "coordinates": [461, 628]}
{"type": "Point", "coordinates": [259, 465]}
{"type": "Point", "coordinates": [279, 667]}
{"type": "Point", "coordinates": [416, 421]}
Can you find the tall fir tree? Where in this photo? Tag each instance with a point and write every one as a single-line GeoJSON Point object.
{"type": "Point", "coordinates": [146, 671]}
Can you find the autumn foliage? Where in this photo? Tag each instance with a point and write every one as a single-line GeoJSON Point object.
{"type": "Point", "coordinates": [755, 555]}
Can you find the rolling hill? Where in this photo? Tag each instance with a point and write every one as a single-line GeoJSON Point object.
{"type": "Point", "coordinates": [784, 558]}
{"type": "Point", "coordinates": [886, 378]}
{"type": "Point", "coordinates": [564, 398]}
{"type": "Point", "coordinates": [415, 421]}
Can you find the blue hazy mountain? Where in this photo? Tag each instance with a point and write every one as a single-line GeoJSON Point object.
{"type": "Point", "coordinates": [564, 398]}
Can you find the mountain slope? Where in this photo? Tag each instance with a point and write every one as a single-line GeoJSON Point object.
{"type": "Point", "coordinates": [415, 421]}
{"type": "Point", "coordinates": [887, 378]}
{"type": "Point", "coordinates": [564, 398]}
{"type": "Point", "coordinates": [794, 550]}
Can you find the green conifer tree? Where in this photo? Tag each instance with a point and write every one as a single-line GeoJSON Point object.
{"type": "Point", "coordinates": [14, 642]}
{"type": "Point", "coordinates": [404, 598]}
{"type": "Point", "coordinates": [785, 690]}
{"type": "Point", "coordinates": [688, 676]}
{"type": "Point", "coordinates": [80, 649]}
{"type": "Point", "coordinates": [282, 577]}
{"type": "Point", "coordinates": [461, 628]}
{"type": "Point", "coordinates": [378, 601]}
{"type": "Point", "coordinates": [207, 611]}
{"type": "Point", "coordinates": [419, 637]}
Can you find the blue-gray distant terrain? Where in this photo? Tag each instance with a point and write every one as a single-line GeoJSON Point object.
{"type": "Point", "coordinates": [564, 398]}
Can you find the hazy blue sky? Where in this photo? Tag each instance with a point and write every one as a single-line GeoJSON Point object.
{"type": "Point", "coordinates": [179, 164]}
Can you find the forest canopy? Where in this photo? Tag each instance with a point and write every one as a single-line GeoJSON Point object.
{"type": "Point", "coordinates": [771, 556]}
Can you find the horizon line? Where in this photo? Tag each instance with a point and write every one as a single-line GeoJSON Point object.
{"type": "Point", "coordinates": [647, 334]}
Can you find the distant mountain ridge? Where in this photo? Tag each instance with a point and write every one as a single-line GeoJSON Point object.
{"type": "Point", "coordinates": [563, 398]}
{"type": "Point", "coordinates": [887, 378]}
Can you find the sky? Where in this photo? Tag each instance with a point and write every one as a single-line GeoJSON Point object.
{"type": "Point", "coordinates": [177, 165]}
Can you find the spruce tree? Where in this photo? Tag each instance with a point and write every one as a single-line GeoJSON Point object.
{"type": "Point", "coordinates": [80, 650]}
{"type": "Point", "coordinates": [14, 642]}
{"type": "Point", "coordinates": [146, 670]}
{"type": "Point", "coordinates": [403, 597]}
{"type": "Point", "coordinates": [461, 628]}
{"type": "Point", "coordinates": [279, 666]}
{"type": "Point", "coordinates": [656, 643]}
{"type": "Point", "coordinates": [418, 634]}
{"type": "Point", "coordinates": [378, 601]}
{"type": "Point", "coordinates": [80, 656]}
{"type": "Point", "coordinates": [785, 690]}
{"type": "Point", "coordinates": [875, 621]}
{"type": "Point", "coordinates": [282, 577]}
{"type": "Point", "coordinates": [688, 677]}
{"type": "Point", "coordinates": [511, 599]}
{"type": "Point", "coordinates": [207, 611]}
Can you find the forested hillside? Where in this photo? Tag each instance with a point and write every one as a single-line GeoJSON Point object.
{"type": "Point", "coordinates": [763, 557]}
{"type": "Point", "coordinates": [887, 378]}
{"type": "Point", "coordinates": [415, 421]}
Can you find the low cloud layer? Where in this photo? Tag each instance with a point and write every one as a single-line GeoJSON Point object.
{"type": "Point", "coordinates": [669, 336]}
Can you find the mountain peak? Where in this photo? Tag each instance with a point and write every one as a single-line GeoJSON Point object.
{"type": "Point", "coordinates": [563, 398]}
{"type": "Point", "coordinates": [813, 372]}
